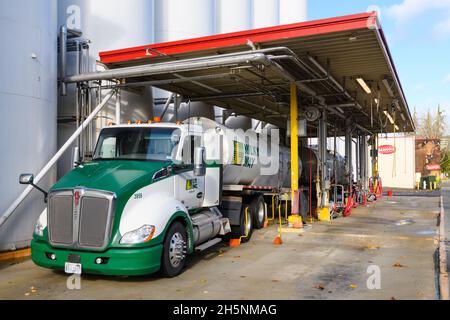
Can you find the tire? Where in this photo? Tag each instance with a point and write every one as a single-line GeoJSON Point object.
{"type": "Point", "coordinates": [243, 228]}
{"type": "Point", "coordinates": [259, 212]}
{"type": "Point", "coordinates": [174, 254]}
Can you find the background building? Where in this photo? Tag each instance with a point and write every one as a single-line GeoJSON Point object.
{"type": "Point", "coordinates": [396, 161]}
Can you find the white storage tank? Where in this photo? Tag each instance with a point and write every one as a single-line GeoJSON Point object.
{"type": "Point", "coordinates": [178, 20]}
{"type": "Point", "coordinates": [28, 76]}
{"type": "Point", "coordinates": [109, 25]}
{"type": "Point", "coordinates": [266, 13]}
{"type": "Point", "coordinates": [292, 11]}
{"type": "Point", "coordinates": [233, 15]}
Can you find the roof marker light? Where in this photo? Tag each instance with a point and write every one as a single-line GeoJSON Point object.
{"type": "Point", "coordinates": [157, 119]}
{"type": "Point", "coordinates": [363, 85]}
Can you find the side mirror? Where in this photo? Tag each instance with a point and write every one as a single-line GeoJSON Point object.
{"type": "Point", "coordinates": [26, 178]}
{"type": "Point", "coordinates": [199, 162]}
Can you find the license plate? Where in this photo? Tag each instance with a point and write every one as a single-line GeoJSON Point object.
{"type": "Point", "coordinates": [72, 268]}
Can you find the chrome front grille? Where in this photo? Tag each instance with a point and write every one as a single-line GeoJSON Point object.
{"type": "Point", "coordinates": [80, 218]}
{"type": "Point", "coordinates": [60, 215]}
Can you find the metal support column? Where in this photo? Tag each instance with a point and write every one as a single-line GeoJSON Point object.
{"type": "Point", "coordinates": [357, 159]}
{"type": "Point", "coordinates": [363, 161]}
{"type": "Point", "coordinates": [348, 156]}
{"type": "Point", "coordinates": [324, 176]}
{"type": "Point", "coordinates": [294, 148]}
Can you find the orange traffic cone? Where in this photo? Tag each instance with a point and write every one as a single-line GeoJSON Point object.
{"type": "Point", "coordinates": [277, 241]}
{"type": "Point", "coordinates": [235, 243]}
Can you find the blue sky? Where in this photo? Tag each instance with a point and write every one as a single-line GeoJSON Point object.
{"type": "Point", "coordinates": [418, 33]}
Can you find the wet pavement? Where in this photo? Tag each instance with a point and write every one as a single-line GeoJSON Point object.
{"type": "Point", "coordinates": [384, 251]}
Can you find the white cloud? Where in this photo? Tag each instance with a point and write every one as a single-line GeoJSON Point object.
{"type": "Point", "coordinates": [409, 9]}
{"type": "Point", "coordinates": [446, 79]}
{"type": "Point", "coordinates": [406, 11]}
{"type": "Point", "coordinates": [443, 27]}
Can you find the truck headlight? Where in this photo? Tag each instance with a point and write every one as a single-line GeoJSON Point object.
{"type": "Point", "coordinates": [39, 229]}
{"type": "Point", "coordinates": [141, 235]}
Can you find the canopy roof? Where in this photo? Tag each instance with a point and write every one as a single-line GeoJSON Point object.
{"type": "Point", "coordinates": [325, 58]}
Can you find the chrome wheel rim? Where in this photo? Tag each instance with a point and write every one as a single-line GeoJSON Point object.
{"type": "Point", "coordinates": [248, 224]}
{"type": "Point", "coordinates": [261, 212]}
{"type": "Point", "coordinates": [176, 250]}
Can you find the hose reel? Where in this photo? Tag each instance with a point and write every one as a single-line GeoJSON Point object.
{"type": "Point", "coordinates": [312, 114]}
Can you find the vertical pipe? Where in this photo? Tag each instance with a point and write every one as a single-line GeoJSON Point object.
{"type": "Point", "coordinates": [118, 109]}
{"type": "Point", "coordinates": [176, 106]}
{"type": "Point", "coordinates": [294, 145]}
{"type": "Point", "coordinates": [63, 58]}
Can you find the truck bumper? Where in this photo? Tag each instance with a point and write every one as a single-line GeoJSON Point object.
{"type": "Point", "coordinates": [123, 262]}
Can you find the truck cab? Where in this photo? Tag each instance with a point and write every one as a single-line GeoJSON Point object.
{"type": "Point", "coordinates": [143, 203]}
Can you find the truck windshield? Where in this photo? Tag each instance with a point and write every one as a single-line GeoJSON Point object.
{"type": "Point", "coordinates": [145, 144]}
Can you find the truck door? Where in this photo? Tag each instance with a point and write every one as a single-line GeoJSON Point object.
{"type": "Point", "coordinates": [190, 189]}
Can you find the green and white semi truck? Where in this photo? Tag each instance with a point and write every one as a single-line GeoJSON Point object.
{"type": "Point", "coordinates": [153, 194]}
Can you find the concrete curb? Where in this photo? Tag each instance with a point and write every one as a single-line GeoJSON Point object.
{"type": "Point", "coordinates": [14, 255]}
{"type": "Point", "coordinates": [443, 275]}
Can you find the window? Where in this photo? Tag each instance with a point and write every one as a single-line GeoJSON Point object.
{"type": "Point", "coordinates": [152, 144]}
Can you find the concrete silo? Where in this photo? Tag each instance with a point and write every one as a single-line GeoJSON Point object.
{"type": "Point", "coordinates": [28, 98]}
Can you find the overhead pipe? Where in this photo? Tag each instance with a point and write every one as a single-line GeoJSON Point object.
{"type": "Point", "coordinates": [335, 82]}
{"type": "Point", "coordinates": [168, 81]}
{"type": "Point", "coordinates": [166, 106]}
{"type": "Point", "coordinates": [171, 67]}
{"type": "Point", "coordinates": [54, 159]}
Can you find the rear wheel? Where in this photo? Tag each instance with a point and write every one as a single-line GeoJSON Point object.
{"type": "Point", "coordinates": [245, 228]}
{"type": "Point", "coordinates": [175, 250]}
{"type": "Point", "coordinates": [259, 212]}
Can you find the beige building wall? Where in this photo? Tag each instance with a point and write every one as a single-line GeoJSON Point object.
{"type": "Point", "coordinates": [397, 170]}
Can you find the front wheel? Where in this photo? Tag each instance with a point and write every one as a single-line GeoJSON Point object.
{"type": "Point", "coordinates": [175, 250]}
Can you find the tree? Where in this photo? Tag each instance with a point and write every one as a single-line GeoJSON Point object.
{"type": "Point", "coordinates": [426, 128]}
{"type": "Point", "coordinates": [431, 127]}
{"type": "Point", "coordinates": [416, 120]}
{"type": "Point", "coordinates": [445, 163]}
{"type": "Point", "coordinates": [439, 123]}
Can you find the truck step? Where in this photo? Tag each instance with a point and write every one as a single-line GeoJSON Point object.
{"type": "Point", "coordinates": [208, 244]}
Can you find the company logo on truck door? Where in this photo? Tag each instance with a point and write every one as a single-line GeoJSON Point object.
{"type": "Point", "coordinates": [191, 184]}
{"type": "Point", "coordinates": [244, 154]}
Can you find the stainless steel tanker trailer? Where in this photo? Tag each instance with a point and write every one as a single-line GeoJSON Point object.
{"type": "Point", "coordinates": [153, 194]}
